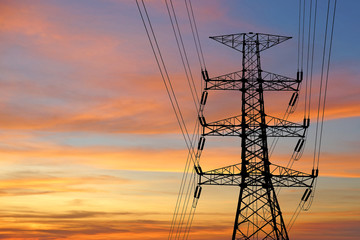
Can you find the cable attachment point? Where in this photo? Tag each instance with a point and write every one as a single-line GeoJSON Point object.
{"type": "Point", "coordinates": [306, 122]}
{"type": "Point", "coordinates": [202, 121]}
{"type": "Point", "coordinates": [204, 97]}
{"type": "Point", "coordinates": [299, 76]}
{"type": "Point", "coordinates": [315, 173]}
{"type": "Point", "coordinates": [196, 196]}
{"type": "Point", "coordinates": [197, 191]}
{"type": "Point", "coordinates": [306, 195]}
{"type": "Point", "coordinates": [198, 169]}
{"type": "Point", "coordinates": [293, 99]}
{"type": "Point", "coordinates": [205, 75]}
{"type": "Point", "coordinates": [299, 145]}
{"type": "Point", "coordinates": [201, 143]}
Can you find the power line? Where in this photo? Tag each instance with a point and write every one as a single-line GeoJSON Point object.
{"type": "Point", "coordinates": [326, 82]}
{"type": "Point", "coordinates": [168, 85]}
{"type": "Point", "coordinates": [185, 62]}
{"type": "Point", "coordinates": [195, 34]}
{"type": "Point", "coordinates": [322, 99]}
{"type": "Point", "coordinates": [321, 85]}
{"type": "Point", "coordinates": [182, 51]}
{"type": "Point", "coordinates": [299, 36]}
{"type": "Point", "coordinates": [164, 74]}
{"type": "Point", "coordinates": [307, 59]}
{"type": "Point", "coordinates": [312, 59]}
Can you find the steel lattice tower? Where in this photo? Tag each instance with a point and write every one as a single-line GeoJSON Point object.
{"type": "Point", "coordinates": [258, 214]}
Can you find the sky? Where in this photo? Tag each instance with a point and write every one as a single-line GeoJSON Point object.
{"type": "Point", "coordinates": [90, 147]}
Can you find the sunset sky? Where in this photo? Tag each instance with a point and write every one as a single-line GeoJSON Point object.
{"type": "Point", "coordinates": [89, 145]}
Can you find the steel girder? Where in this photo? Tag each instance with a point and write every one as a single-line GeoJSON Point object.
{"type": "Point", "coordinates": [275, 127]}
{"type": "Point", "coordinates": [280, 176]}
{"type": "Point", "coordinates": [233, 81]}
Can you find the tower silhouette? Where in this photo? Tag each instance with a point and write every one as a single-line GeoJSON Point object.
{"type": "Point", "coordinates": [258, 214]}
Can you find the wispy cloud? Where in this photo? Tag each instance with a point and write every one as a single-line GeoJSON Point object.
{"type": "Point", "coordinates": [20, 184]}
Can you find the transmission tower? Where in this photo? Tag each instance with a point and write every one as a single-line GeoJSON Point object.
{"type": "Point", "coordinates": [258, 214]}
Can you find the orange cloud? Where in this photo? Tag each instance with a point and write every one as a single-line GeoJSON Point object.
{"type": "Point", "coordinates": [154, 159]}
{"type": "Point", "coordinates": [326, 230]}
{"type": "Point", "coordinates": [93, 225]}
{"type": "Point", "coordinates": [79, 225]}
{"type": "Point", "coordinates": [51, 184]}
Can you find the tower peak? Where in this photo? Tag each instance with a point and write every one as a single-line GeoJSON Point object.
{"type": "Point", "coordinates": [237, 41]}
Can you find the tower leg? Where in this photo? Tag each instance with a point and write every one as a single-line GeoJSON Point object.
{"type": "Point", "coordinates": [258, 215]}
{"type": "Point", "coordinates": [236, 224]}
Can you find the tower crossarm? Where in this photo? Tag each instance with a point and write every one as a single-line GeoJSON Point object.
{"type": "Point", "coordinates": [225, 127]}
{"type": "Point", "coordinates": [230, 175]}
{"type": "Point", "coordinates": [231, 81]}
{"type": "Point", "coordinates": [236, 41]}
{"type": "Point", "coordinates": [287, 177]}
{"type": "Point", "coordinates": [276, 82]}
{"type": "Point", "coordinates": [280, 176]}
{"type": "Point", "coordinates": [270, 81]}
{"type": "Point", "coordinates": [275, 127]}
